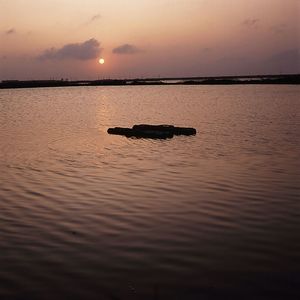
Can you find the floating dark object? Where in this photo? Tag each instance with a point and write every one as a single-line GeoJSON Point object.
{"type": "Point", "coordinates": [152, 131]}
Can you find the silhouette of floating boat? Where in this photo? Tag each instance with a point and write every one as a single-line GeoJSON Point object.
{"type": "Point", "coordinates": [152, 131]}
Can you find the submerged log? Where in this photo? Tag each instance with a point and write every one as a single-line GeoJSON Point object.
{"type": "Point", "coordinates": [167, 128]}
{"type": "Point", "coordinates": [184, 131]}
{"type": "Point", "coordinates": [130, 132]}
{"type": "Point", "coordinates": [120, 131]}
{"type": "Point", "coordinates": [152, 131]}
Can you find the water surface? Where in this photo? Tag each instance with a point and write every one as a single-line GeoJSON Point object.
{"type": "Point", "coordinates": [92, 216]}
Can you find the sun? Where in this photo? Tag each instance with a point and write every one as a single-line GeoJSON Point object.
{"type": "Point", "coordinates": [101, 61]}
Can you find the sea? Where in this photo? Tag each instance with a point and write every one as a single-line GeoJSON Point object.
{"type": "Point", "coordinates": [88, 215]}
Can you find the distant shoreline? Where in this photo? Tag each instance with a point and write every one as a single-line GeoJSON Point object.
{"type": "Point", "coordinates": [221, 80]}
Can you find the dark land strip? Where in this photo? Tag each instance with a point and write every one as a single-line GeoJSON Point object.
{"type": "Point", "coordinates": [224, 80]}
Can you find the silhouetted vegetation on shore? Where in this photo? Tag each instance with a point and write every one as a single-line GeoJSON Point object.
{"type": "Point", "coordinates": [225, 80]}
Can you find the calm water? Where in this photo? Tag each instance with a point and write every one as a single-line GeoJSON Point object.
{"type": "Point", "coordinates": [92, 216]}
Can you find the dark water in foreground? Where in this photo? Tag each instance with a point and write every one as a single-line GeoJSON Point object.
{"type": "Point", "coordinates": [92, 216]}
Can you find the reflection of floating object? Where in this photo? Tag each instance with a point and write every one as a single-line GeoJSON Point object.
{"type": "Point", "coordinates": [152, 131]}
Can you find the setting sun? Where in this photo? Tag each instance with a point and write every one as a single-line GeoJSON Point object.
{"type": "Point", "coordinates": [101, 61]}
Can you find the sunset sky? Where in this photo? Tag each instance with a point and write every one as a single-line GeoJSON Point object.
{"type": "Point", "coordinates": [43, 39]}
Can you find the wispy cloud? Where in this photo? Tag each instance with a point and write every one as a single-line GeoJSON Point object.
{"type": "Point", "coordinates": [92, 19]}
{"type": "Point", "coordinates": [95, 17]}
{"type": "Point", "coordinates": [11, 31]}
{"type": "Point", "coordinates": [279, 28]}
{"type": "Point", "coordinates": [250, 22]}
{"type": "Point", "coordinates": [127, 49]}
{"type": "Point", "coordinates": [89, 49]}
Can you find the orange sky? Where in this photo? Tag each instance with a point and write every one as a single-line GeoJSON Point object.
{"type": "Point", "coordinates": [139, 38]}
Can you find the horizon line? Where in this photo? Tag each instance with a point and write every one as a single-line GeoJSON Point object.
{"type": "Point", "coordinates": [157, 78]}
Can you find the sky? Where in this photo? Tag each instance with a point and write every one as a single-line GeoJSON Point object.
{"type": "Point", "coordinates": [54, 39]}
